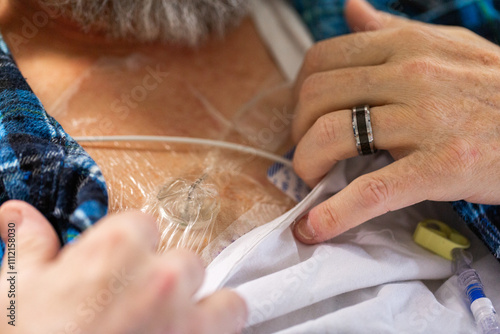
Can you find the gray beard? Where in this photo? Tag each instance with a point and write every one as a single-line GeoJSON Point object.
{"type": "Point", "coordinates": [170, 21]}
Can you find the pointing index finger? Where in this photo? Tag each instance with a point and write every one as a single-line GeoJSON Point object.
{"type": "Point", "coordinates": [393, 187]}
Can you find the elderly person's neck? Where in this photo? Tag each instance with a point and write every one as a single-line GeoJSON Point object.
{"type": "Point", "coordinates": [55, 51]}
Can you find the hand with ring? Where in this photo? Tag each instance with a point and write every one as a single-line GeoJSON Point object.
{"type": "Point", "coordinates": [428, 94]}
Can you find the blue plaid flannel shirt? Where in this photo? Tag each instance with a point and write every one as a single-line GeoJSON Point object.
{"type": "Point", "coordinates": [42, 165]}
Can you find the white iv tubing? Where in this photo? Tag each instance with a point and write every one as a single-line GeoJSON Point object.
{"type": "Point", "coordinates": [189, 140]}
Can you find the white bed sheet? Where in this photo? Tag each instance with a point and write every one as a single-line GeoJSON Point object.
{"type": "Point", "coordinates": [371, 279]}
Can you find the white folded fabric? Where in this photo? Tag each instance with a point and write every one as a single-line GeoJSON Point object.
{"type": "Point", "coordinates": [371, 279]}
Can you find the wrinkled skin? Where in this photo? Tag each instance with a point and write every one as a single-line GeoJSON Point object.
{"type": "Point", "coordinates": [433, 92]}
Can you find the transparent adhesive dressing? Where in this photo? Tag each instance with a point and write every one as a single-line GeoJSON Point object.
{"type": "Point", "coordinates": [204, 193]}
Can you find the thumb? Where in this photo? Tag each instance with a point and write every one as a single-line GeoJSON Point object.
{"type": "Point", "coordinates": [27, 235]}
{"type": "Point", "coordinates": [361, 16]}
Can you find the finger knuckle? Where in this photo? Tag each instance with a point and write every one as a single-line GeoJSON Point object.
{"type": "Point", "coordinates": [187, 264]}
{"type": "Point", "coordinates": [416, 33]}
{"type": "Point", "coordinates": [369, 76]}
{"type": "Point", "coordinates": [373, 192]}
{"type": "Point", "coordinates": [117, 238]}
{"type": "Point", "coordinates": [112, 246]}
{"type": "Point", "coordinates": [107, 244]}
{"type": "Point", "coordinates": [327, 130]}
{"type": "Point", "coordinates": [422, 68]}
{"type": "Point", "coordinates": [422, 39]}
{"type": "Point", "coordinates": [461, 156]}
{"type": "Point", "coordinates": [330, 219]}
{"type": "Point", "coordinates": [488, 58]}
{"type": "Point", "coordinates": [98, 275]}
{"type": "Point", "coordinates": [167, 279]}
{"type": "Point", "coordinates": [311, 88]}
{"type": "Point", "coordinates": [314, 58]}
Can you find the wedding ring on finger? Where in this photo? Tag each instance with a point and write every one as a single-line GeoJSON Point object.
{"type": "Point", "coordinates": [362, 128]}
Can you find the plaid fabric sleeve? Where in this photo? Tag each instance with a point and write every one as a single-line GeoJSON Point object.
{"type": "Point", "coordinates": [40, 164]}
{"type": "Point", "coordinates": [325, 19]}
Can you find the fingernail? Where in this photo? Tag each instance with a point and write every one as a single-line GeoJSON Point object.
{"type": "Point", "coordinates": [304, 230]}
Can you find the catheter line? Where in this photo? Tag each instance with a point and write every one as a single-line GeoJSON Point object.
{"type": "Point", "coordinates": [189, 140]}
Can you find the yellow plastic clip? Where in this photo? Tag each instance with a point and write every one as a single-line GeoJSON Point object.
{"type": "Point", "coordinates": [439, 238]}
